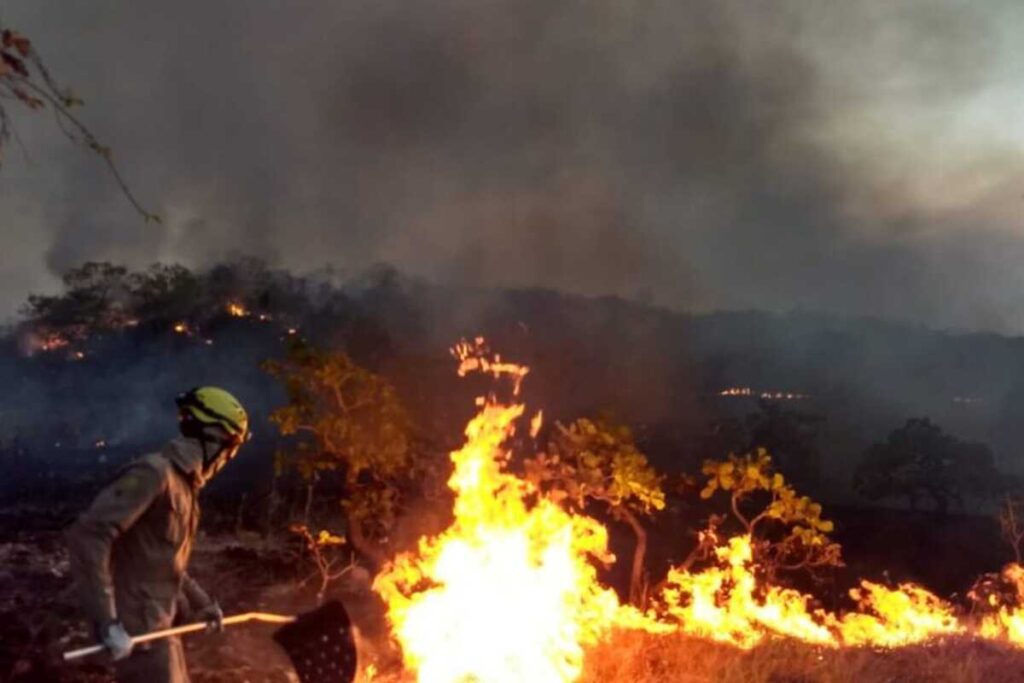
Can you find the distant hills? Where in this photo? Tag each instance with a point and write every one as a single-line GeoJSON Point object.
{"type": "Point", "coordinates": [674, 376]}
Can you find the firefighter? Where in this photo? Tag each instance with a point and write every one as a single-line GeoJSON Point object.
{"type": "Point", "coordinates": [130, 549]}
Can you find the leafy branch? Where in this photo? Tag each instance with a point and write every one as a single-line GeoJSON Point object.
{"type": "Point", "coordinates": [801, 537]}
{"type": "Point", "coordinates": [24, 79]}
{"type": "Point", "coordinates": [318, 547]}
{"type": "Point", "coordinates": [598, 460]}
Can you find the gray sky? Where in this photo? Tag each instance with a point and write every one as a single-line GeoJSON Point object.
{"type": "Point", "coordinates": [860, 157]}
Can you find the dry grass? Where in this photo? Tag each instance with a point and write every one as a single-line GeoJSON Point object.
{"type": "Point", "coordinates": [635, 657]}
{"type": "Point", "coordinates": [641, 658]}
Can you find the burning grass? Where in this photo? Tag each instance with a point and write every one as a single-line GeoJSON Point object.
{"type": "Point", "coordinates": [509, 593]}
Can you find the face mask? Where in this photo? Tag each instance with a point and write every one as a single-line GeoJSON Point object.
{"type": "Point", "coordinates": [225, 455]}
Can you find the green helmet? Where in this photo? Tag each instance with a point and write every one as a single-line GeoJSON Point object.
{"type": "Point", "coordinates": [215, 406]}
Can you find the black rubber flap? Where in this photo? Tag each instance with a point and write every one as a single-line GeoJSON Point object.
{"type": "Point", "coordinates": [321, 645]}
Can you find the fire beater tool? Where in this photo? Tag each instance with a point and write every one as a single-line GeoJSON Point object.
{"type": "Point", "coordinates": [320, 643]}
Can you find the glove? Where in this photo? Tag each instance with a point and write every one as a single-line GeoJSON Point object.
{"type": "Point", "coordinates": [117, 640]}
{"type": "Point", "coordinates": [213, 615]}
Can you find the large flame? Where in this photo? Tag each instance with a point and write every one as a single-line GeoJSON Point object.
{"type": "Point", "coordinates": [727, 603]}
{"type": "Point", "coordinates": [1007, 620]}
{"type": "Point", "coordinates": [509, 592]}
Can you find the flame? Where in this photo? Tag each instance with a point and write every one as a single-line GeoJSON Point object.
{"type": "Point", "coordinates": [52, 342]}
{"type": "Point", "coordinates": [236, 310]}
{"type": "Point", "coordinates": [1007, 622]}
{"type": "Point", "coordinates": [44, 341]}
{"type": "Point", "coordinates": [725, 603]}
{"type": "Point", "coordinates": [509, 591]}
{"type": "Point", "coordinates": [181, 328]}
{"type": "Point", "coordinates": [771, 395]}
{"type": "Point", "coordinates": [893, 617]}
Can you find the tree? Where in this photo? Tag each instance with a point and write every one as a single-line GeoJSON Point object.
{"type": "Point", "coordinates": [97, 297]}
{"type": "Point", "coordinates": [165, 293]}
{"type": "Point", "coordinates": [1011, 525]}
{"type": "Point", "coordinates": [787, 531]}
{"type": "Point", "coordinates": [597, 460]}
{"type": "Point", "coordinates": [918, 460]}
{"type": "Point", "coordinates": [25, 80]}
{"type": "Point", "coordinates": [345, 418]}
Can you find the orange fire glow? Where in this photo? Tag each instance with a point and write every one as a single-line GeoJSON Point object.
{"type": "Point", "coordinates": [509, 591]}
{"type": "Point", "coordinates": [1007, 621]}
{"type": "Point", "coordinates": [237, 310]}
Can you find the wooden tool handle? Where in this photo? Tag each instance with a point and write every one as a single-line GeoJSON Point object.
{"type": "Point", "coordinates": [265, 617]}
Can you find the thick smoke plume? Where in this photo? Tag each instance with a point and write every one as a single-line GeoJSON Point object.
{"type": "Point", "coordinates": [852, 157]}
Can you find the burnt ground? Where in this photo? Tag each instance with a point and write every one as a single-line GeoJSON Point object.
{"type": "Point", "coordinates": [39, 617]}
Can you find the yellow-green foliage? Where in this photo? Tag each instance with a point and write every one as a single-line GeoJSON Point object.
{"type": "Point", "coordinates": [344, 416]}
{"type": "Point", "coordinates": [598, 459]}
{"type": "Point", "coordinates": [351, 416]}
{"type": "Point", "coordinates": [804, 541]}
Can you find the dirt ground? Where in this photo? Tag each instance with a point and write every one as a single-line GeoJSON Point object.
{"type": "Point", "coordinates": [39, 617]}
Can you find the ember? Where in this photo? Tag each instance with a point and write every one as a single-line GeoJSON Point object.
{"type": "Point", "coordinates": [237, 310]}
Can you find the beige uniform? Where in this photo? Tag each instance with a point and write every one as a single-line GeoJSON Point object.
{"type": "Point", "coordinates": [130, 551]}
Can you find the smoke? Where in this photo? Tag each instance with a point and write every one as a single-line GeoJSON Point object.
{"type": "Point", "coordinates": [850, 157]}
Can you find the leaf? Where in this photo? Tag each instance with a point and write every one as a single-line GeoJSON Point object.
{"type": "Point", "coordinates": [325, 538]}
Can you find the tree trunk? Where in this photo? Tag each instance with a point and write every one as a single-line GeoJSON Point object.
{"type": "Point", "coordinates": [636, 574]}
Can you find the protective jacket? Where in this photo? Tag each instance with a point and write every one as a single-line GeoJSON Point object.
{"type": "Point", "coordinates": [130, 549]}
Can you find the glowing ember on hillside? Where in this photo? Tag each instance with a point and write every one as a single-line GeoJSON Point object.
{"type": "Point", "coordinates": [733, 392]}
{"type": "Point", "coordinates": [237, 310]}
{"type": "Point", "coordinates": [52, 342]}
